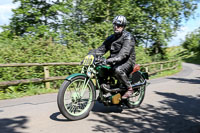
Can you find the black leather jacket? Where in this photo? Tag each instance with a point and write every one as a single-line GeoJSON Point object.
{"type": "Point", "coordinates": [121, 48]}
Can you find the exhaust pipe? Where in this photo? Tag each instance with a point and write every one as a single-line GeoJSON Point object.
{"type": "Point", "coordinates": [139, 84]}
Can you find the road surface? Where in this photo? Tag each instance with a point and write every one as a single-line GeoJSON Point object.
{"type": "Point", "coordinates": [171, 105]}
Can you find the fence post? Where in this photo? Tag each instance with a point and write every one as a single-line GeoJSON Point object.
{"type": "Point", "coordinates": [168, 64]}
{"type": "Point", "coordinates": [176, 64]}
{"type": "Point", "coordinates": [46, 75]}
{"type": "Point", "coordinates": [161, 66]}
{"type": "Point", "coordinates": [146, 69]}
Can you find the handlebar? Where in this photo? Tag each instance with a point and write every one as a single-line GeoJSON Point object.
{"type": "Point", "coordinates": [100, 60]}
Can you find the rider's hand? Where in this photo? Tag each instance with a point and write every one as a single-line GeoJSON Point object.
{"type": "Point", "coordinates": [110, 61]}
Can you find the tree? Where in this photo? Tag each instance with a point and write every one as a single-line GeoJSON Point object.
{"type": "Point", "coordinates": [192, 41]}
{"type": "Point", "coordinates": [90, 22]}
{"type": "Point", "coordinates": [34, 17]}
{"type": "Point", "coordinates": [149, 21]}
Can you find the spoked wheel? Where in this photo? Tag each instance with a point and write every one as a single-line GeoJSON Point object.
{"type": "Point", "coordinates": [76, 98]}
{"type": "Point", "coordinates": [138, 96]}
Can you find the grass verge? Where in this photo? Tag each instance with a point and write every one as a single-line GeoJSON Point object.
{"type": "Point", "coordinates": [167, 73]}
{"type": "Point", "coordinates": [30, 92]}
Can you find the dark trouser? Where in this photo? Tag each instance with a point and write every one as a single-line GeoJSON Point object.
{"type": "Point", "coordinates": [122, 71]}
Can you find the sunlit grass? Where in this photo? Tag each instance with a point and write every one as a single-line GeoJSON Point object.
{"type": "Point", "coordinates": [166, 73]}
{"type": "Point", "coordinates": [29, 92]}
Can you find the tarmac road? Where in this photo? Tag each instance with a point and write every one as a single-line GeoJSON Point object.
{"type": "Point", "coordinates": [171, 105]}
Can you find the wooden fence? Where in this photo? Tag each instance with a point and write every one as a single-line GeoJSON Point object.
{"type": "Point", "coordinates": [151, 68]}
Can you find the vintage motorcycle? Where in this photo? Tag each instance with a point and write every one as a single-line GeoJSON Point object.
{"type": "Point", "coordinates": [77, 94]}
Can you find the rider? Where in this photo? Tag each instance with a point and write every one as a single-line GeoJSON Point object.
{"type": "Point", "coordinates": [122, 53]}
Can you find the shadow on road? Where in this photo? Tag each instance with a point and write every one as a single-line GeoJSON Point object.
{"type": "Point", "coordinates": [55, 117]}
{"type": "Point", "coordinates": [99, 107]}
{"type": "Point", "coordinates": [10, 125]}
{"type": "Point", "coordinates": [184, 80]}
{"type": "Point", "coordinates": [176, 114]}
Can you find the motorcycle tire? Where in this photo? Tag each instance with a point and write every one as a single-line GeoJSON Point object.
{"type": "Point", "coordinates": [71, 101]}
{"type": "Point", "coordinates": [138, 96]}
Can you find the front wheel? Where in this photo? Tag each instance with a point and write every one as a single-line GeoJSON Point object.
{"type": "Point", "coordinates": [138, 96]}
{"type": "Point", "coordinates": [76, 98]}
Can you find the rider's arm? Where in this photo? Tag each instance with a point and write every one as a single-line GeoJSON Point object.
{"type": "Point", "coordinates": [104, 47]}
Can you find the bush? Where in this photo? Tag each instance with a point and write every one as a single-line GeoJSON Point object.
{"type": "Point", "coordinates": [33, 50]}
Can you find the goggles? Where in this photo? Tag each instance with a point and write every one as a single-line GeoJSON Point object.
{"type": "Point", "coordinates": [118, 25]}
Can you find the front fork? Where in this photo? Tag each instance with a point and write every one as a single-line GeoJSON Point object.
{"type": "Point", "coordinates": [83, 88]}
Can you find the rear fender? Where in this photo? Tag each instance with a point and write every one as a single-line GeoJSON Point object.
{"type": "Point", "coordinates": [137, 69]}
{"type": "Point", "coordinates": [145, 75]}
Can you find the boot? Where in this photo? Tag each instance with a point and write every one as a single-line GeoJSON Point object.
{"type": "Point", "coordinates": [128, 93]}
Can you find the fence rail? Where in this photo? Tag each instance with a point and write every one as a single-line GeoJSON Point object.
{"type": "Point", "coordinates": [39, 64]}
{"type": "Point", "coordinates": [151, 68]}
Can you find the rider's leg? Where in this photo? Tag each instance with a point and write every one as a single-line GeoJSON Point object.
{"type": "Point", "coordinates": [121, 73]}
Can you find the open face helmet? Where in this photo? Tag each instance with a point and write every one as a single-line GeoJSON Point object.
{"type": "Point", "coordinates": [119, 20]}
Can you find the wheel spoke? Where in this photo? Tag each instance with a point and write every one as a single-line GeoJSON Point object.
{"type": "Point", "coordinates": [77, 96]}
{"type": "Point", "coordinates": [137, 96]}
{"type": "Point", "coordinates": [73, 107]}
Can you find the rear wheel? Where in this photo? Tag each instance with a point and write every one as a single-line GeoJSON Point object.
{"type": "Point", "coordinates": [76, 98]}
{"type": "Point", "coordinates": [138, 96]}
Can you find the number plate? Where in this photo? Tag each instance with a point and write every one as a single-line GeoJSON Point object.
{"type": "Point", "coordinates": [88, 60]}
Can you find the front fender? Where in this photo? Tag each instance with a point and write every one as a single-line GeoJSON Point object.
{"type": "Point", "coordinates": [70, 77]}
{"type": "Point", "coordinates": [74, 75]}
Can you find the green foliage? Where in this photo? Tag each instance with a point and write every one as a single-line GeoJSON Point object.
{"type": "Point", "coordinates": [175, 52]}
{"type": "Point", "coordinates": [34, 50]}
{"type": "Point", "coordinates": [191, 45]}
{"type": "Point", "coordinates": [141, 56]}
{"type": "Point", "coordinates": [192, 58]}
{"type": "Point", "coordinates": [33, 17]}
{"type": "Point", "coordinates": [90, 22]}
{"type": "Point", "coordinates": [178, 52]}
{"type": "Point", "coordinates": [30, 50]}
{"type": "Point", "coordinates": [192, 41]}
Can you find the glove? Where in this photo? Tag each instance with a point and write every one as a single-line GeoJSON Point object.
{"type": "Point", "coordinates": [110, 61]}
